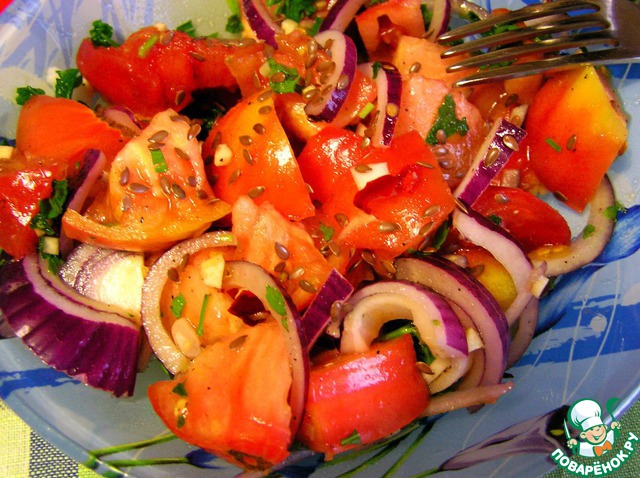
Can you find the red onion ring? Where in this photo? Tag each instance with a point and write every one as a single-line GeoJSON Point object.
{"type": "Point", "coordinates": [440, 16]}
{"type": "Point", "coordinates": [447, 402]}
{"type": "Point", "coordinates": [260, 21]}
{"type": "Point", "coordinates": [389, 86]}
{"type": "Point", "coordinates": [526, 327]}
{"type": "Point", "coordinates": [340, 14]}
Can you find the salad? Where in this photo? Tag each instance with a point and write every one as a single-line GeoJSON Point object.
{"type": "Point", "coordinates": [320, 238]}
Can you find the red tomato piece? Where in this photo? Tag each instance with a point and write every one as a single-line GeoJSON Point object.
{"type": "Point", "coordinates": [155, 69]}
{"type": "Point", "coordinates": [251, 155]}
{"type": "Point", "coordinates": [369, 395]}
{"type": "Point", "coordinates": [575, 131]}
{"type": "Point", "coordinates": [233, 400]}
{"type": "Point", "coordinates": [23, 184]}
{"type": "Point", "coordinates": [530, 220]}
{"type": "Point", "coordinates": [59, 129]}
{"type": "Point", "coordinates": [259, 228]}
{"type": "Point", "coordinates": [156, 198]}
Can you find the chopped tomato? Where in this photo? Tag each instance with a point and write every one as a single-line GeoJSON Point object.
{"type": "Point", "coordinates": [419, 109]}
{"type": "Point", "coordinates": [530, 220]}
{"type": "Point", "coordinates": [388, 216]}
{"type": "Point", "coordinates": [251, 155]}
{"type": "Point", "coordinates": [264, 234]}
{"type": "Point", "coordinates": [59, 129]}
{"type": "Point", "coordinates": [363, 397]}
{"type": "Point", "coordinates": [382, 25]}
{"type": "Point", "coordinates": [575, 132]}
{"type": "Point", "coordinates": [155, 69]}
{"type": "Point", "coordinates": [23, 184]}
{"type": "Point", "coordinates": [233, 400]}
{"type": "Point", "coordinates": [158, 192]}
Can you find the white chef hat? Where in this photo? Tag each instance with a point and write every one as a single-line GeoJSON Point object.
{"type": "Point", "coordinates": [585, 414]}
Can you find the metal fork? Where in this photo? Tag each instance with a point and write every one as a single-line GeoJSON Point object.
{"type": "Point", "coordinates": [560, 31]}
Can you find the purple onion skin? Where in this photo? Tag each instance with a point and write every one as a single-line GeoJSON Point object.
{"type": "Point", "coordinates": [103, 355]}
{"type": "Point", "coordinates": [340, 15]}
{"type": "Point", "coordinates": [394, 93]}
{"type": "Point", "coordinates": [260, 22]}
{"type": "Point", "coordinates": [481, 173]}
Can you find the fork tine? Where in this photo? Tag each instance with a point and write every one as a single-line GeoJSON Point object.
{"type": "Point", "coordinates": [593, 20]}
{"type": "Point", "coordinates": [602, 37]}
{"type": "Point", "coordinates": [526, 13]}
{"type": "Point", "coordinates": [532, 68]}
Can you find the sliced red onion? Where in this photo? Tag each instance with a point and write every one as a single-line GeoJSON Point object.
{"type": "Point", "coordinates": [320, 313]}
{"type": "Point", "coordinates": [80, 186]}
{"type": "Point", "coordinates": [250, 276]}
{"type": "Point", "coordinates": [526, 327]}
{"type": "Point", "coordinates": [585, 247]}
{"type": "Point", "coordinates": [106, 275]}
{"type": "Point", "coordinates": [473, 397]}
{"type": "Point", "coordinates": [465, 7]}
{"type": "Point", "coordinates": [123, 119]}
{"type": "Point", "coordinates": [389, 87]}
{"type": "Point", "coordinates": [76, 335]}
{"type": "Point", "coordinates": [503, 139]}
{"type": "Point", "coordinates": [260, 21]}
{"type": "Point", "coordinates": [343, 53]}
{"type": "Point", "coordinates": [452, 282]}
{"type": "Point", "coordinates": [160, 339]}
{"type": "Point", "coordinates": [484, 233]}
{"type": "Point", "coordinates": [340, 14]}
{"type": "Point", "coordinates": [440, 16]}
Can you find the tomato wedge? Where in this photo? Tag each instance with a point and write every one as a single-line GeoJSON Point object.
{"type": "Point", "coordinates": [250, 155]}
{"type": "Point", "coordinates": [158, 192]}
{"type": "Point", "coordinates": [359, 398]}
{"type": "Point", "coordinates": [233, 400]}
{"type": "Point", "coordinates": [530, 220]}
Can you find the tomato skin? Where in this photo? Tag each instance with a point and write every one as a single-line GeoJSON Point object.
{"type": "Point", "coordinates": [576, 102]}
{"type": "Point", "coordinates": [262, 159]}
{"type": "Point", "coordinates": [236, 404]}
{"type": "Point", "coordinates": [155, 81]}
{"type": "Point", "coordinates": [158, 204]}
{"type": "Point", "coordinates": [531, 221]}
{"type": "Point", "coordinates": [59, 129]}
{"type": "Point", "coordinates": [374, 393]}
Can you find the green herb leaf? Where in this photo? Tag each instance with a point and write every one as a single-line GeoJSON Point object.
{"type": "Point", "coordinates": [427, 16]}
{"type": "Point", "coordinates": [180, 390]}
{"type": "Point", "coordinates": [494, 218]}
{"type": "Point", "coordinates": [23, 94]}
{"type": "Point", "coordinates": [276, 300]}
{"type": "Point", "coordinates": [375, 66]}
{"type": "Point", "coordinates": [101, 34]}
{"type": "Point", "coordinates": [554, 145]}
{"type": "Point", "coordinates": [157, 158]}
{"type": "Point", "coordinates": [177, 305]}
{"type": "Point", "coordinates": [234, 6]}
{"type": "Point", "coordinates": [234, 24]}
{"type": "Point", "coordinates": [352, 439]}
{"type": "Point", "coordinates": [447, 121]}
{"type": "Point", "coordinates": [54, 262]}
{"type": "Point", "coordinates": [423, 352]}
{"type": "Point", "coordinates": [441, 235]}
{"type": "Point", "coordinates": [612, 211]}
{"type": "Point", "coordinates": [51, 208]}
{"type": "Point", "coordinates": [291, 77]}
{"type": "Point", "coordinates": [294, 9]}
{"type": "Point", "coordinates": [327, 232]}
{"type": "Point", "coordinates": [203, 308]}
{"type": "Point", "coordinates": [588, 231]}
{"type": "Point", "coordinates": [67, 81]}
{"type": "Point", "coordinates": [188, 28]}
{"type": "Point", "coordinates": [315, 28]}
{"type": "Point", "coordinates": [180, 421]}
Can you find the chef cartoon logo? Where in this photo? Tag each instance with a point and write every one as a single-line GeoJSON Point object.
{"type": "Point", "coordinates": [596, 438]}
{"type": "Point", "coordinates": [598, 448]}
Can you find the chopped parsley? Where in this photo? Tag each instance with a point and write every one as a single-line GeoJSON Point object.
{"type": "Point", "coordinates": [315, 28]}
{"type": "Point", "coordinates": [612, 211]}
{"type": "Point", "coordinates": [101, 34]}
{"type": "Point", "coordinates": [327, 232]}
{"type": "Point", "coordinates": [290, 81]}
{"type": "Point", "coordinates": [423, 352]}
{"type": "Point", "coordinates": [375, 66]}
{"type": "Point", "coordinates": [157, 158]}
{"type": "Point", "coordinates": [427, 16]}
{"type": "Point", "coordinates": [294, 9]}
{"type": "Point", "coordinates": [447, 121]}
{"type": "Point", "coordinates": [275, 300]}
{"type": "Point", "coordinates": [24, 93]}
{"type": "Point", "coordinates": [556, 147]}
{"type": "Point", "coordinates": [177, 305]}
{"type": "Point", "coordinates": [494, 218]}
{"type": "Point", "coordinates": [234, 24]}
{"type": "Point", "coordinates": [588, 231]}
{"type": "Point", "coordinates": [67, 81]}
{"type": "Point", "coordinates": [180, 390]}
{"type": "Point", "coordinates": [352, 439]}
{"type": "Point", "coordinates": [146, 47]}
{"type": "Point", "coordinates": [188, 28]}
{"type": "Point", "coordinates": [54, 262]}
{"type": "Point", "coordinates": [441, 235]}
{"type": "Point", "coordinates": [51, 208]}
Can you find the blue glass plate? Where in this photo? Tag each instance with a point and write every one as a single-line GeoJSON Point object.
{"type": "Point", "coordinates": [588, 344]}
